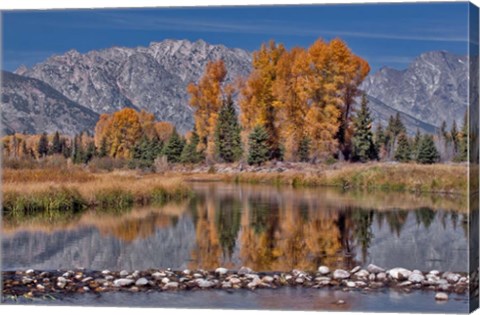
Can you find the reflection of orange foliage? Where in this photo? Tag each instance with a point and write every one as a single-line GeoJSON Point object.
{"type": "Point", "coordinates": [134, 229]}
{"type": "Point", "coordinates": [208, 251]}
{"type": "Point", "coordinates": [294, 243]}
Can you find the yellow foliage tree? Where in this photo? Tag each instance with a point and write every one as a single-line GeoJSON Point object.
{"type": "Point", "coordinates": [206, 98]}
{"type": "Point", "coordinates": [257, 95]}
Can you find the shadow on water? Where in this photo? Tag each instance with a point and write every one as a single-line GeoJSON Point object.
{"type": "Point", "coordinates": [263, 227]}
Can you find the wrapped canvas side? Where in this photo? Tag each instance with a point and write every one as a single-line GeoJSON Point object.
{"type": "Point", "coordinates": [473, 154]}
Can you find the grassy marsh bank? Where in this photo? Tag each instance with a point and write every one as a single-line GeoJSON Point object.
{"type": "Point", "coordinates": [55, 192]}
{"type": "Point", "coordinates": [436, 178]}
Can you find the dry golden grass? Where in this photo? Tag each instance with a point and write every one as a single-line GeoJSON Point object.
{"type": "Point", "coordinates": [52, 191]}
{"type": "Point", "coordinates": [437, 178]}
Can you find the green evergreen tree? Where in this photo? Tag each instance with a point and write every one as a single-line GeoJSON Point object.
{"type": "Point", "coordinates": [258, 146]}
{"type": "Point", "coordinates": [228, 143]}
{"type": "Point", "coordinates": [394, 128]}
{"type": "Point", "coordinates": [56, 144]}
{"type": "Point", "coordinates": [363, 146]}
{"type": "Point", "coordinates": [462, 155]}
{"type": "Point", "coordinates": [174, 147]}
{"type": "Point", "coordinates": [455, 137]}
{"type": "Point", "coordinates": [304, 149]}
{"type": "Point", "coordinates": [416, 144]}
{"type": "Point", "coordinates": [380, 141]}
{"type": "Point", "coordinates": [427, 153]}
{"type": "Point", "coordinates": [403, 152]}
{"type": "Point", "coordinates": [190, 153]}
{"type": "Point", "coordinates": [66, 149]}
{"type": "Point", "coordinates": [103, 150]}
{"type": "Point", "coordinates": [43, 145]}
{"type": "Point", "coordinates": [90, 152]}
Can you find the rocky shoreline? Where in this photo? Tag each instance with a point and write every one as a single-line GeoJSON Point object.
{"type": "Point", "coordinates": [35, 283]}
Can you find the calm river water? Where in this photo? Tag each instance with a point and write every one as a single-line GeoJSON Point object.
{"type": "Point", "coordinates": [263, 227]}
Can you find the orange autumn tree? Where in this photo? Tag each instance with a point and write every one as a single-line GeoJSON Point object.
{"type": "Point", "coordinates": [122, 130]}
{"type": "Point", "coordinates": [304, 94]}
{"type": "Point", "coordinates": [206, 98]}
{"type": "Point", "coordinates": [257, 95]}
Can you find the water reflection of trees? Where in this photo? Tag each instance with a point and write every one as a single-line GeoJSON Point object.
{"type": "Point", "coordinates": [270, 232]}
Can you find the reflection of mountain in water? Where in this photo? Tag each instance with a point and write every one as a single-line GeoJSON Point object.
{"type": "Point", "coordinates": [86, 247]}
{"type": "Point", "coordinates": [265, 228]}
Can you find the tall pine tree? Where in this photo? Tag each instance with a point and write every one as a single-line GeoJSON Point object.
{"type": "Point", "coordinates": [363, 147]}
{"type": "Point", "coordinates": [258, 146]}
{"type": "Point", "coordinates": [403, 152]}
{"type": "Point", "coordinates": [228, 143]}
{"type": "Point", "coordinates": [427, 152]}
{"type": "Point", "coordinates": [304, 149]}
{"type": "Point", "coordinates": [56, 144]}
{"type": "Point", "coordinates": [174, 147]}
{"type": "Point", "coordinates": [43, 145]}
{"type": "Point", "coordinates": [190, 153]}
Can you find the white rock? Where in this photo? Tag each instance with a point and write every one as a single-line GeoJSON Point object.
{"type": "Point", "coordinates": [27, 280]}
{"type": "Point", "coordinates": [351, 284]}
{"type": "Point", "coordinates": [123, 282]}
{"type": "Point", "coordinates": [141, 282]}
{"type": "Point", "coordinates": [235, 281]}
{"type": "Point", "coordinates": [299, 280]}
{"type": "Point", "coordinates": [221, 271]}
{"type": "Point", "coordinates": [434, 272]}
{"type": "Point", "coordinates": [165, 280]}
{"type": "Point", "coordinates": [29, 272]}
{"type": "Point", "coordinates": [204, 284]}
{"type": "Point", "coordinates": [187, 272]}
{"type": "Point", "coordinates": [226, 285]}
{"type": "Point", "coordinates": [324, 270]}
{"type": "Point", "coordinates": [341, 274]}
{"type": "Point", "coordinates": [355, 269]}
{"type": "Point", "coordinates": [405, 284]}
{"type": "Point", "coordinates": [381, 276]}
{"type": "Point", "coordinates": [40, 287]}
{"type": "Point", "coordinates": [244, 270]}
{"type": "Point", "coordinates": [451, 277]}
{"type": "Point", "coordinates": [197, 275]}
{"type": "Point", "coordinates": [106, 272]}
{"type": "Point", "coordinates": [441, 296]}
{"type": "Point", "coordinates": [416, 278]}
{"type": "Point", "coordinates": [374, 269]}
{"type": "Point", "coordinates": [362, 274]}
{"type": "Point", "coordinates": [399, 273]}
{"type": "Point", "coordinates": [123, 273]}
{"type": "Point", "coordinates": [171, 286]}
{"type": "Point", "coordinates": [267, 279]}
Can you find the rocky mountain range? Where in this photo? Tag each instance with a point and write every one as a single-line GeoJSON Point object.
{"type": "Point", "coordinates": [32, 106]}
{"type": "Point", "coordinates": [77, 87]}
{"type": "Point", "coordinates": [434, 88]}
{"type": "Point", "coordinates": [152, 78]}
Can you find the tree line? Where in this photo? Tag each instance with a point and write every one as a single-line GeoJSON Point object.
{"type": "Point", "coordinates": [296, 105]}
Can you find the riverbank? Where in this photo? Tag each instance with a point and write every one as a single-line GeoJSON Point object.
{"type": "Point", "coordinates": [53, 192]}
{"type": "Point", "coordinates": [403, 177]}
{"type": "Point", "coordinates": [36, 283]}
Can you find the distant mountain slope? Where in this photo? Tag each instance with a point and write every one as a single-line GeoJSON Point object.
{"type": "Point", "coordinates": [432, 89]}
{"type": "Point", "coordinates": [153, 78]}
{"type": "Point", "coordinates": [381, 114]}
{"type": "Point", "coordinates": [32, 106]}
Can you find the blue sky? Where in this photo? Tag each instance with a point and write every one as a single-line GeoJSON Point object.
{"type": "Point", "coordinates": [384, 34]}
